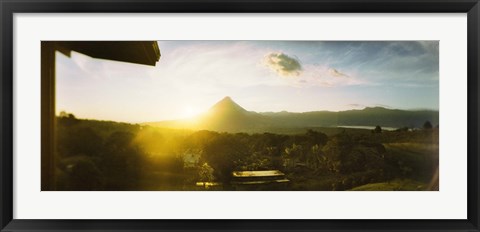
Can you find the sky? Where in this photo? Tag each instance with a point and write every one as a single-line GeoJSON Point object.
{"type": "Point", "coordinates": [261, 76]}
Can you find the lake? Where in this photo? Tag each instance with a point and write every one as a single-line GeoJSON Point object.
{"type": "Point", "coordinates": [368, 127]}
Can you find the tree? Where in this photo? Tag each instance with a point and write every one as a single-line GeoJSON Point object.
{"type": "Point", "coordinates": [206, 173]}
{"type": "Point", "coordinates": [378, 129]}
{"type": "Point", "coordinates": [427, 125]}
{"type": "Point", "coordinates": [221, 152]}
{"type": "Point", "coordinates": [63, 114]}
{"type": "Point", "coordinates": [79, 141]}
{"type": "Point", "coordinates": [293, 155]}
{"type": "Point", "coordinates": [67, 119]}
{"type": "Point", "coordinates": [122, 161]}
{"type": "Point", "coordinates": [80, 173]}
{"type": "Point", "coordinates": [316, 137]}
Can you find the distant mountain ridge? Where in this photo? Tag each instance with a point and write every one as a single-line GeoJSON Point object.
{"type": "Point", "coordinates": [227, 116]}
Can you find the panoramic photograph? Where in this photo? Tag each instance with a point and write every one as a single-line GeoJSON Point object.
{"type": "Point", "coordinates": [245, 116]}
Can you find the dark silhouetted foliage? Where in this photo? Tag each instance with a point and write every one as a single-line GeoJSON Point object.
{"type": "Point", "coordinates": [103, 155]}
{"type": "Point", "coordinates": [427, 125]}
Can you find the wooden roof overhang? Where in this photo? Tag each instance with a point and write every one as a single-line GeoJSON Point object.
{"type": "Point", "coordinates": [138, 52]}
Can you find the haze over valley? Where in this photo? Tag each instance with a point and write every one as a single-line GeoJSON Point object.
{"type": "Point", "coordinates": [227, 116]}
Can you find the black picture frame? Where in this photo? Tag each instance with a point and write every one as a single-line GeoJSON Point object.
{"type": "Point", "coordinates": [10, 7]}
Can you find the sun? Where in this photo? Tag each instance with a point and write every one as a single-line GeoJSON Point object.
{"type": "Point", "coordinates": [190, 112]}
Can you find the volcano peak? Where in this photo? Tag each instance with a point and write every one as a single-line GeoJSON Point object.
{"type": "Point", "coordinates": [227, 105]}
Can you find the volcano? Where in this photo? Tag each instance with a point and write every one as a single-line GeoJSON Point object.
{"type": "Point", "coordinates": [224, 116]}
{"type": "Point", "coordinates": [227, 106]}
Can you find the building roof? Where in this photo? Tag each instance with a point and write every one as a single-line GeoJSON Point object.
{"type": "Point", "coordinates": [138, 52]}
{"type": "Point", "coordinates": [266, 173]}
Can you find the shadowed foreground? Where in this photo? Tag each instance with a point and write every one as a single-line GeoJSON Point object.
{"type": "Point", "coordinates": [100, 155]}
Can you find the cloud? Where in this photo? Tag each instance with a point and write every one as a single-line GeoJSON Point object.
{"type": "Point", "coordinates": [355, 105]}
{"type": "Point", "coordinates": [336, 73]}
{"type": "Point", "coordinates": [383, 105]}
{"type": "Point", "coordinates": [430, 46]}
{"type": "Point", "coordinates": [283, 64]}
{"type": "Point", "coordinates": [325, 76]}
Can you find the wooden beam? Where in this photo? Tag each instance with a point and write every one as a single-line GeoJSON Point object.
{"type": "Point", "coordinates": [48, 174]}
